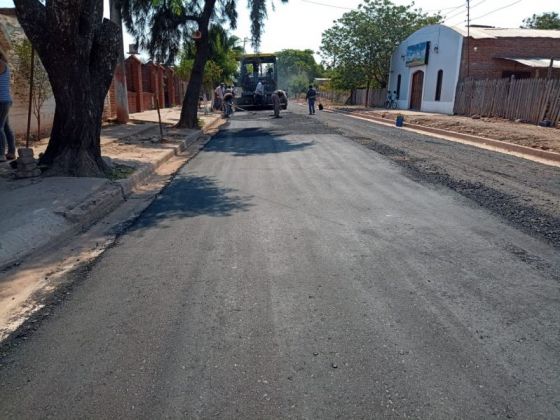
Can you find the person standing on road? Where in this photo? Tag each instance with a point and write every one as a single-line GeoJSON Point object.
{"type": "Point", "coordinates": [219, 97]}
{"type": "Point", "coordinates": [6, 134]}
{"type": "Point", "coordinates": [311, 96]}
{"type": "Point", "coordinates": [276, 103]}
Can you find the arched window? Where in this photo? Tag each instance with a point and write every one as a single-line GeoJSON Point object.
{"type": "Point", "coordinates": [398, 86]}
{"type": "Point", "coordinates": [438, 84]}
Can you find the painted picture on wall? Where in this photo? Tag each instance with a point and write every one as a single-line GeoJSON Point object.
{"type": "Point", "coordinates": [417, 54]}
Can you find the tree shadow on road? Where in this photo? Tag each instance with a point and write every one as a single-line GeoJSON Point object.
{"type": "Point", "coordinates": [192, 196]}
{"type": "Point", "coordinates": [253, 141]}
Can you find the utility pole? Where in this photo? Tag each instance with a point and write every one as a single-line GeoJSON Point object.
{"type": "Point", "coordinates": [31, 81]}
{"type": "Point", "coordinates": [120, 73]}
{"type": "Point", "coordinates": [468, 37]}
{"type": "Point", "coordinates": [244, 42]}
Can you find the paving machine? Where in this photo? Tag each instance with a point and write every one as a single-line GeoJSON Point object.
{"type": "Point", "coordinates": [255, 68]}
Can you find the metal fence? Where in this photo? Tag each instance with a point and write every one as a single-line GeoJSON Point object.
{"type": "Point", "coordinates": [529, 100]}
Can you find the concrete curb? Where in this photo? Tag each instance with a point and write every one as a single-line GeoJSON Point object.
{"type": "Point", "coordinates": [111, 195]}
{"type": "Point", "coordinates": [107, 199]}
{"type": "Point", "coordinates": [472, 139]}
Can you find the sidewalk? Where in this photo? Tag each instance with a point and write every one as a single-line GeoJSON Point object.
{"type": "Point", "coordinates": [38, 212]}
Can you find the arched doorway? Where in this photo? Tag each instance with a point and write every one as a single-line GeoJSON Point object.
{"type": "Point", "coordinates": [416, 91]}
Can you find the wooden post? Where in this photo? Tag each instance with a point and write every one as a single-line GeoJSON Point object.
{"type": "Point", "coordinates": [31, 80]}
{"type": "Point", "coordinates": [159, 119]}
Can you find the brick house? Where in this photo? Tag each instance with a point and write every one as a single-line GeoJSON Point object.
{"type": "Point", "coordinates": [427, 66]}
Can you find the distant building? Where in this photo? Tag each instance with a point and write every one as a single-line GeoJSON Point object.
{"type": "Point", "coordinates": [427, 66]}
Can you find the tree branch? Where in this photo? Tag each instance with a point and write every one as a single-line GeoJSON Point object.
{"type": "Point", "coordinates": [32, 17]}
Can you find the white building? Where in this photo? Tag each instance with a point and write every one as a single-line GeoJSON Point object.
{"type": "Point", "coordinates": [425, 69]}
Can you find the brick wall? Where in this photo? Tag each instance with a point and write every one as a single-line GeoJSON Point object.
{"type": "Point", "coordinates": [148, 82]}
{"type": "Point", "coordinates": [485, 64]}
{"type": "Point", "coordinates": [110, 105]}
{"type": "Point", "coordinates": [132, 102]}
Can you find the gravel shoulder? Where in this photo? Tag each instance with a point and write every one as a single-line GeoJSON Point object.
{"type": "Point", "coordinates": [525, 193]}
{"type": "Point", "coordinates": [523, 134]}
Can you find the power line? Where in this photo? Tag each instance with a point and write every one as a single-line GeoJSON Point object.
{"type": "Point", "coordinates": [454, 15]}
{"type": "Point", "coordinates": [497, 10]}
{"type": "Point", "coordinates": [442, 9]}
{"type": "Point", "coordinates": [327, 5]}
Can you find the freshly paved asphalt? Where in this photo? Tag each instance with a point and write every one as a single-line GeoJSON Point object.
{"type": "Point", "coordinates": [290, 272]}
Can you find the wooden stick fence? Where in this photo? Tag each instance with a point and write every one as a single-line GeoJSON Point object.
{"type": "Point", "coordinates": [530, 100]}
{"type": "Point", "coordinates": [376, 97]}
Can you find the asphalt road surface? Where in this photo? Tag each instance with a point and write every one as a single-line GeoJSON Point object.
{"type": "Point", "coordinates": [289, 271]}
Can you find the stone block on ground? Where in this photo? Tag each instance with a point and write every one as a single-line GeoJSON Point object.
{"type": "Point", "coordinates": [25, 152]}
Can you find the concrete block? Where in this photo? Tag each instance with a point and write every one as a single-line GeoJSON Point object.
{"type": "Point", "coordinates": [24, 152]}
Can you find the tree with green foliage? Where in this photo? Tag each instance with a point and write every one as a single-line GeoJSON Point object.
{"type": "Point", "coordinates": [42, 90]}
{"type": "Point", "coordinates": [212, 71]}
{"type": "Point", "coordinates": [161, 26]}
{"type": "Point", "coordinates": [79, 50]}
{"type": "Point", "coordinates": [296, 69]}
{"type": "Point", "coordinates": [224, 54]}
{"type": "Point", "coordinates": [359, 46]}
{"type": "Point", "coordinates": [547, 20]}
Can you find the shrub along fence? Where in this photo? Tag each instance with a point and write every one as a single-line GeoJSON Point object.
{"type": "Point", "coordinates": [530, 100]}
{"type": "Point", "coordinates": [376, 97]}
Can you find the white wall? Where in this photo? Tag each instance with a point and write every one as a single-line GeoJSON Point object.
{"type": "Point", "coordinates": [18, 117]}
{"type": "Point", "coordinates": [448, 44]}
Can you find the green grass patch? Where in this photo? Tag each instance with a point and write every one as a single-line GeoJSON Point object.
{"type": "Point", "coordinates": [120, 172]}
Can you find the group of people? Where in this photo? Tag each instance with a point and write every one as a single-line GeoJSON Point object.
{"type": "Point", "coordinates": [6, 134]}
{"type": "Point", "coordinates": [223, 96]}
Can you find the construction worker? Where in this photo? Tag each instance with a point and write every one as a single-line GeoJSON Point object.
{"type": "Point", "coordinates": [276, 103]}
{"type": "Point", "coordinates": [219, 97]}
{"type": "Point", "coordinates": [311, 96]}
{"type": "Point", "coordinates": [278, 96]}
{"type": "Point", "coordinates": [259, 94]}
{"type": "Point", "coordinates": [229, 96]}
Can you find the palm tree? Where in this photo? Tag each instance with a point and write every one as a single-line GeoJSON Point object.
{"type": "Point", "coordinates": [161, 27]}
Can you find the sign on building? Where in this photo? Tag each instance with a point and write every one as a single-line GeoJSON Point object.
{"type": "Point", "coordinates": [417, 54]}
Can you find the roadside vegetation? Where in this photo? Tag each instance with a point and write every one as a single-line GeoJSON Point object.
{"type": "Point", "coordinates": [297, 69]}
{"type": "Point", "coordinates": [547, 20]}
{"type": "Point", "coordinates": [80, 73]}
{"type": "Point", "coordinates": [225, 51]}
{"type": "Point", "coordinates": [357, 49]}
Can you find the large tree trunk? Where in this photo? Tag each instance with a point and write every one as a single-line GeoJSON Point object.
{"type": "Point", "coordinates": [79, 50]}
{"type": "Point", "coordinates": [189, 111]}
